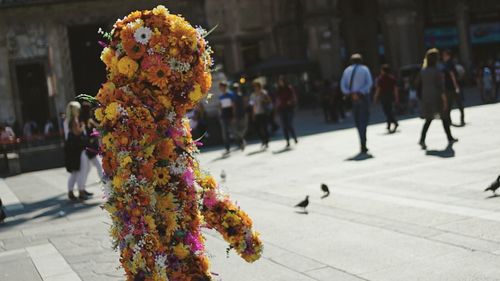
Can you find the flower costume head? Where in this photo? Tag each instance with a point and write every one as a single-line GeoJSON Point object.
{"type": "Point", "coordinates": [158, 68]}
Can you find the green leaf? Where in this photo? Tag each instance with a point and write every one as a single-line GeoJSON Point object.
{"type": "Point", "coordinates": [211, 30]}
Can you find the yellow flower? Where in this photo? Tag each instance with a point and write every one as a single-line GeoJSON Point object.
{"type": "Point", "coordinates": [117, 181]}
{"type": "Point", "coordinates": [166, 202]}
{"type": "Point", "coordinates": [150, 222]}
{"type": "Point", "coordinates": [107, 141]}
{"type": "Point", "coordinates": [107, 56]}
{"type": "Point", "coordinates": [109, 87]}
{"type": "Point", "coordinates": [127, 66]}
{"type": "Point", "coordinates": [171, 223]}
{"type": "Point", "coordinates": [174, 52]}
{"type": "Point", "coordinates": [196, 94]}
{"type": "Point", "coordinates": [125, 161]}
{"type": "Point", "coordinates": [160, 10]}
{"type": "Point", "coordinates": [148, 152]}
{"type": "Point", "coordinates": [161, 175]}
{"type": "Point", "coordinates": [98, 114]}
{"type": "Point", "coordinates": [138, 262]}
{"type": "Point", "coordinates": [166, 102]}
{"type": "Point", "coordinates": [181, 251]}
{"type": "Point", "coordinates": [113, 67]}
{"type": "Point", "coordinates": [111, 111]}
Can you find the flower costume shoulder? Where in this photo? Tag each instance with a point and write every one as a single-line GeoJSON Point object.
{"type": "Point", "coordinates": [158, 68]}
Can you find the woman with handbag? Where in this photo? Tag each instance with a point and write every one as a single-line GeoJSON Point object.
{"type": "Point", "coordinates": [434, 101]}
{"type": "Point", "coordinates": [76, 160]}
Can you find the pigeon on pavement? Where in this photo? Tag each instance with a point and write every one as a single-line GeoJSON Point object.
{"type": "Point", "coordinates": [223, 176]}
{"type": "Point", "coordinates": [304, 203]}
{"type": "Point", "coordinates": [325, 190]}
{"type": "Point", "coordinates": [494, 186]}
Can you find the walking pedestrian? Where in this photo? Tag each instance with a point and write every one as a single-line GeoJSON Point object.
{"type": "Point", "coordinates": [486, 81]}
{"type": "Point", "coordinates": [451, 85]}
{"type": "Point", "coordinates": [387, 93]}
{"type": "Point", "coordinates": [286, 100]}
{"type": "Point", "coordinates": [261, 102]}
{"type": "Point", "coordinates": [434, 99]}
{"type": "Point", "coordinates": [227, 113]}
{"type": "Point", "coordinates": [240, 115]}
{"type": "Point", "coordinates": [75, 157]}
{"type": "Point", "coordinates": [356, 83]}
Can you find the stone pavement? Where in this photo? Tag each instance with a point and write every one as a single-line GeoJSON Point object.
{"type": "Point", "coordinates": [404, 214]}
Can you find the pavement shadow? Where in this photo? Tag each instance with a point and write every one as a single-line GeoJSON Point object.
{"type": "Point", "coordinates": [222, 157]}
{"type": "Point", "coordinates": [448, 152]}
{"type": "Point", "coordinates": [256, 152]}
{"type": "Point", "coordinates": [302, 212]}
{"type": "Point", "coordinates": [55, 207]}
{"type": "Point", "coordinates": [492, 196]}
{"type": "Point", "coordinates": [360, 157]}
{"type": "Point", "coordinates": [286, 149]}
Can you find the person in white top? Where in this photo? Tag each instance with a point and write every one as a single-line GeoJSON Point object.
{"type": "Point", "coordinates": [76, 159]}
{"type": "Point", "coordinates": [357, 83]}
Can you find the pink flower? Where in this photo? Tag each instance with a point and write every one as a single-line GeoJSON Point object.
{"type": "Point", "coordinates": [188, 177]}
{"type": "Point", "coordinates": [210, 199]}
{"type": "Point", "coordinates": [193, 240]}
{"type": "Point", "coordinates": [95, 133]}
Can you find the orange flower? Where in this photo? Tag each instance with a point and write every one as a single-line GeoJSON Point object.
{"type": "Point", "coordinates": [109, 163]}
{"type": "Point", "coordinates": [165, 149]}
{"type": "Point", "coordinates": [133, 49]}
{"type": "Point", "coordinates": [147, 170]}
{"type": "Point", "coordinates": [158, 74]}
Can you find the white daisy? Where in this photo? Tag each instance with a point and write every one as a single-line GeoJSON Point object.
{"type": "Point", "coordinates": [142, 35]}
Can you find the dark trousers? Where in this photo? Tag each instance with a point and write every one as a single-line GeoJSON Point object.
{"type": "Point", "coordinates": [388, 112]}
{"type": "Point", "coordinates": [261, 124]}
{"type": "Point", "coordinates": [286, 116]}
{"type": "Point", "coordinates": [453, 97]}
{"type": "Point", "coordinates": [446, 126]}
{"type": "Point", "coordinates": [226, 132]}
{"type": "Point", "coordinates": [361, 114]}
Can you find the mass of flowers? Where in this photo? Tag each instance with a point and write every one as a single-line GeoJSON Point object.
{"type": "Point", "coordinates": [158, 68]}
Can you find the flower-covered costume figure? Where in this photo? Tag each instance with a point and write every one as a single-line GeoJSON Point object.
{"type": "Point", "coordinates": [158, 68]}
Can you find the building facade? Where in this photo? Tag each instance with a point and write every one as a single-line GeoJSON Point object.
{"type": "Point", "coordinates": [50, 51]}
{"type": "Point", "coordinates": [49, 48]}
{"type": "Point", "coordinates": [327, 31]}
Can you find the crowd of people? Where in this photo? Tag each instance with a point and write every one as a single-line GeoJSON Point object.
{"type": "Point", "coordinates": [437, 85]}
{"type": "Point", "coordinates": [239, 111]}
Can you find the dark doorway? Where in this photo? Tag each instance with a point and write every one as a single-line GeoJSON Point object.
{"type": "Point", "coordinates": [33, 92]}
{"type": "Point", "coordinates": [88, 70]}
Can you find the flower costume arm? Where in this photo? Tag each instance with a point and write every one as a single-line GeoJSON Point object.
{"type": "Point", "coordinates": [221, 214]}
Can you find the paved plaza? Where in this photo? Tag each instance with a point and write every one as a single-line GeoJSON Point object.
{"type": "Point", "coordinates": [404, 214]}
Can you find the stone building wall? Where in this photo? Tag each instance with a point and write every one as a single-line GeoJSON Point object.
{"type": "Point", "coordinates": [40, 32]}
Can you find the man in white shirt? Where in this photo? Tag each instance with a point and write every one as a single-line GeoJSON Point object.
{"type": "Point", "coordinates": [357, 83]}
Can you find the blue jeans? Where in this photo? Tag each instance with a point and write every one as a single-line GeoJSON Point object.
{"type": "Point", "coordinates": [361, 114]}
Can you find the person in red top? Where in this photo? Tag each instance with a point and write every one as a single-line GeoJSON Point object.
{"type": "Point", "coordinates": [286, 101]}
{"type": "Point", "coordinates": [387, 93]}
